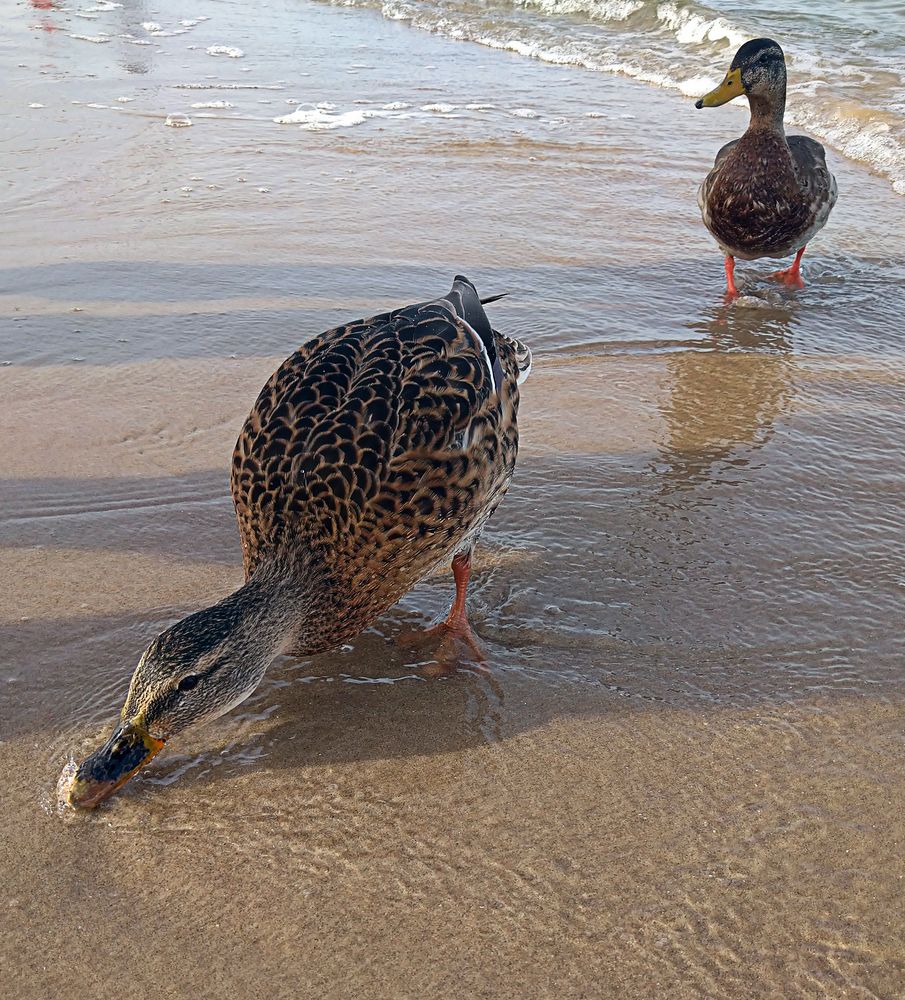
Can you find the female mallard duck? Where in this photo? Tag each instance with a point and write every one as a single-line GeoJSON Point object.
{"type": "Point", "coordinates": [768, 194]}
{"type": "Point", "coordinates": [374, 452]}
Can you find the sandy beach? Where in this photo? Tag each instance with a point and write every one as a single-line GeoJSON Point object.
{"type": "Point", "coordinates": [683, 774]}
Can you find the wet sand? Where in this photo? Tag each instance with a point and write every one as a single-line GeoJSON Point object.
{"type": "Point", "coordinates": [683, 775]}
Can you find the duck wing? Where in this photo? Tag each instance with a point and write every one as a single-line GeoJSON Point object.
{"type": "Point", "coordinates": [384, 433]}
{"type": "Point", "coordinates": [707, 183]}
{"type": "Point", "coordinates": [817, 183]}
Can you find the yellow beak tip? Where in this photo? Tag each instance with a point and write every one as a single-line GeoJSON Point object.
{"type": "Point", "coordinates": [731, 87]}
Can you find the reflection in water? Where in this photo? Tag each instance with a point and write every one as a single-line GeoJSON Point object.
{"type": "Point", "coordinates": [123, 24]}
{"type": "Point", "coordinates": [723, 402]}
{"type": "Point", "coordinates": [135, 60]}
{"type": "Point", "coordinates": [46, 5]}
{"type": "Point", "coordinates": [136, 66]}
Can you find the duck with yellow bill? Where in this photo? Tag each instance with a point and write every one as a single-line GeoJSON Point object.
{"type": "Point", "coordinates": [768, 193]}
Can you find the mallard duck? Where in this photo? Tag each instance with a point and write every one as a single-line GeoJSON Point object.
{"type": "Point", "coordinates": [768, 194]}
{"type": "Point", "coordinates": [374, 453]}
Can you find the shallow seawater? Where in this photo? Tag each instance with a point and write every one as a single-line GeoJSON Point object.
{"type": "Point", "coordinates": [682, 774]}
{"type": "Point", "coordinates": [845, 57]}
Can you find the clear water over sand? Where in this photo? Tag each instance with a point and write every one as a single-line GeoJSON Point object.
{"type": "Point", "coordinates": [683, 776]}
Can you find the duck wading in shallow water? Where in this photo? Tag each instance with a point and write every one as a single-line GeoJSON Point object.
{"type": "Point", "coordinates": [768, 194]}
{"type": "Point", "coordinates": [375, 452]}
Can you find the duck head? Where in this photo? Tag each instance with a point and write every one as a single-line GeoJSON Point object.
{"type": "Point", "coordinates": [757, 71]}
{"type": "Point", "coordinates": [195, 671]}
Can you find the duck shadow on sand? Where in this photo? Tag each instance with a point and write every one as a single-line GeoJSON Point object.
{"type": "Point", "coordinates": [596, 610]}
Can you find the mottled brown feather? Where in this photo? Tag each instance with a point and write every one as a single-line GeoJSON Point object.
{"type": "Point", "coordinates": [766, 195]}
{"type": "Point", "coordinates": [375, 451]}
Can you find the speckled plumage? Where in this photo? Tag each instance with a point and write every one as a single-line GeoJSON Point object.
{"type": "Point", "coordinates": [375, 451]}
{"type": "Point", "coordinates": [768, 194]}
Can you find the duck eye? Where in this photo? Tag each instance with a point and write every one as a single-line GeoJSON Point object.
{"type": "Point", "coordinates": [187, 683]}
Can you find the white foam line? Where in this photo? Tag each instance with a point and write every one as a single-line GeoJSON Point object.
{"type": "Point", "coordinates": [231, 51]}
{"type": "Point", "coordinates": [228, 86]}
{"type": "Point", "coordinates": [319, 119]}
{"type": "Point", "coordinates": [872, 136]}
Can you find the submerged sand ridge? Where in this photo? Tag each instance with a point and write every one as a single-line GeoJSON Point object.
{"type": "Point", "coordinates": [499, 859]}
{"type": "Point", "coordinates": [682, 776]}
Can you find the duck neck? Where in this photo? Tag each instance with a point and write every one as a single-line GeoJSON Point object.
{"type": "Point", "coordinates": [263, 616]}
{"type": "Point", "coordinates": [768, 110]}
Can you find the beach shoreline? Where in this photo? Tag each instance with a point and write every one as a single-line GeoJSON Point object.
{"type": "Point", "coordinates": [681, 776]}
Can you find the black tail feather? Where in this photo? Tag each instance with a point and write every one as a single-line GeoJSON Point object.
{"type": "Point", "coordinates": [493, 298]}
{"type": "Point", "coordinates": [468, 305]}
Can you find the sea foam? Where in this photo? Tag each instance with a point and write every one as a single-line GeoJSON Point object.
{"type": "Point", "coordinates": [321, 119]}
{"type": "Point", "coordinates": [855, 93]}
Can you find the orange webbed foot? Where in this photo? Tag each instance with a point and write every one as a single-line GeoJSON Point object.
{"type": "Point", "coordinates": [791, 276]}
{"type": "Point", "coordinates": [788, 277]}
{"type": "Point", "coordinates": [455, 631]}
{"type": "Point", "coordinates": [458, 648]}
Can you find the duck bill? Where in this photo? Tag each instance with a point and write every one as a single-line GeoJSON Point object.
{"type": "Point", "coordinates": [128, 750]}
{"type": "Point", "coordinates": [729, 88]}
